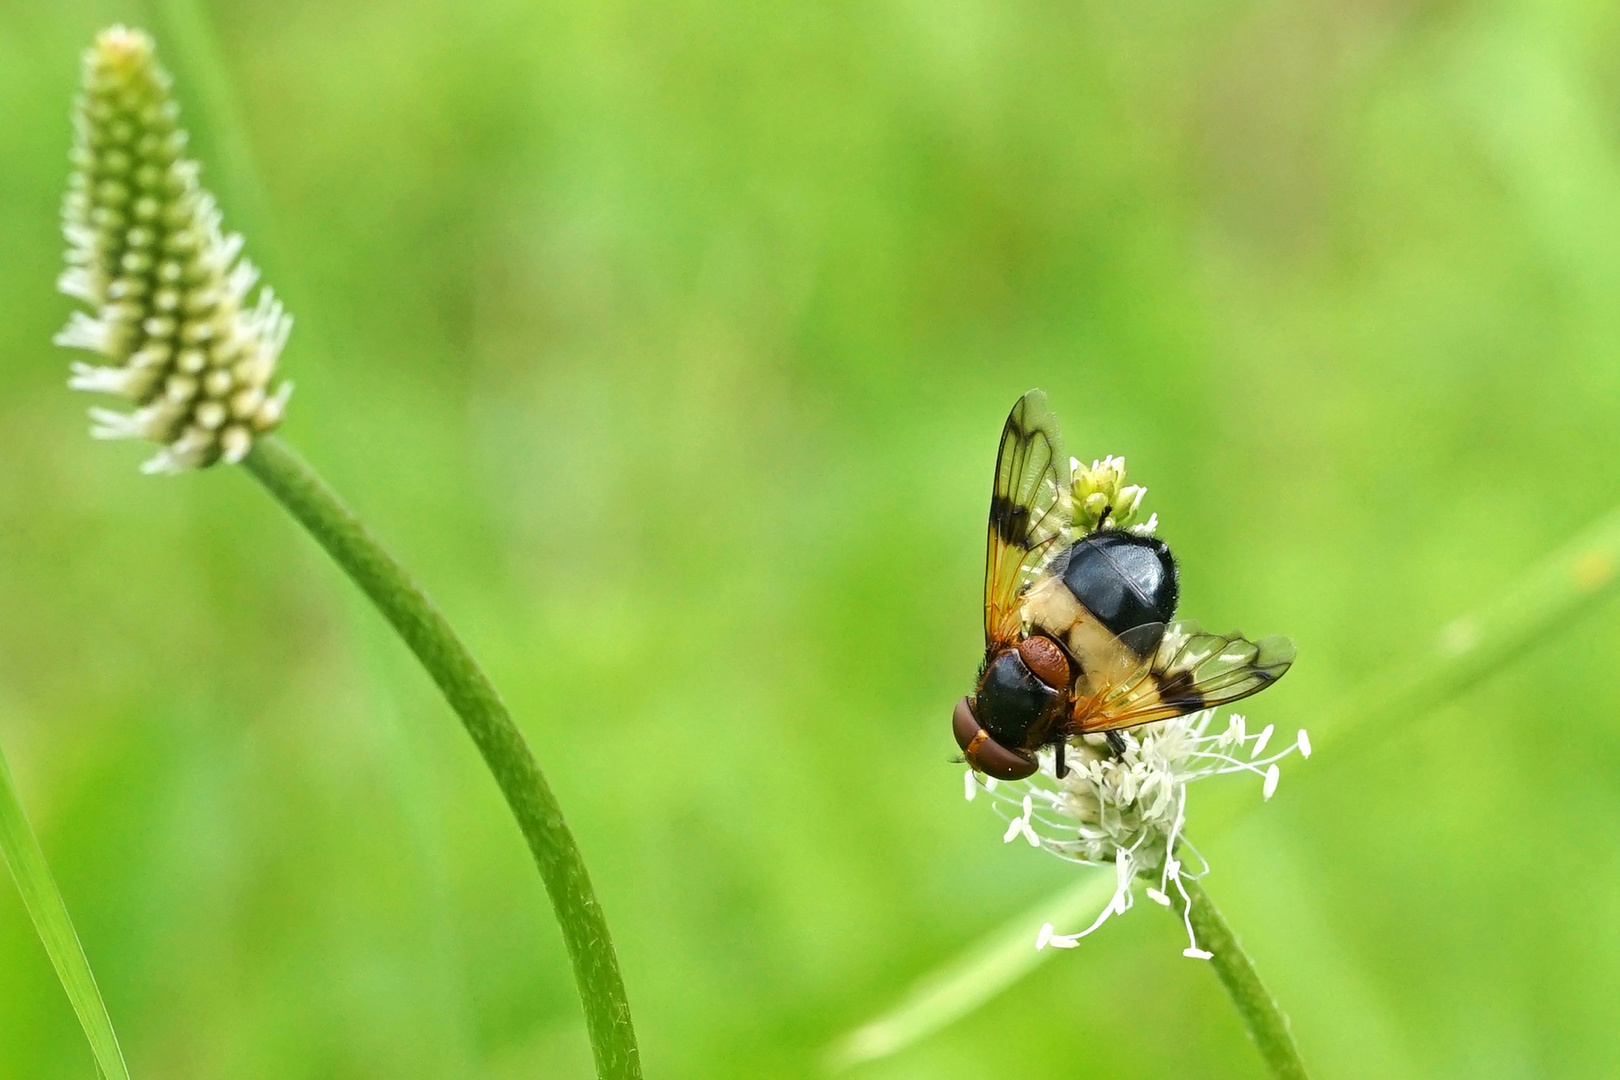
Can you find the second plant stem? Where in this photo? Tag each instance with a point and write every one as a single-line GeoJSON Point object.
{"type": "Point", "coordinates": [474, 698]}
{"type": "Point", "coordinates": [1261, 1015]}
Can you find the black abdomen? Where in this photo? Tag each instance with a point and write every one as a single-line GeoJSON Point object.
{"type": "Point", "coordinates": [1124, 580]}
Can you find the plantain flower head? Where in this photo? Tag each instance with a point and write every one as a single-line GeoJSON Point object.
{"type": "Point", "coordinates": [1126, 807]}
{"type": "Point", "coordinates": [171, 324]}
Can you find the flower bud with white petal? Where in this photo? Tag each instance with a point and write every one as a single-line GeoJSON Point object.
{"type": "Point", "coordinates": [1102, 499]}
{"type": "Point", "coordinates": [170, 320]}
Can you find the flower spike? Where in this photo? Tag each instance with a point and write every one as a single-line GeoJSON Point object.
{"type": "Point", "coordinates": [171, 321]}
{"type": "Point", "coordinates": [1129, 808]}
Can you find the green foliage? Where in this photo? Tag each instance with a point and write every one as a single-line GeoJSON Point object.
{"type": "Point", "coordinates": [669, 347]}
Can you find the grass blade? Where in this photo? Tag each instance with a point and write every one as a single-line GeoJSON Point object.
{"type": "Point", "coordinates": [1541, 603]}
{"type": "Point", "coordinates": [22, 854]}
{"type": "Point", "coordinates": [973, 978]}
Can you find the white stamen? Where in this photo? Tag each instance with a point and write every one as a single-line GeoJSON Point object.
{"type": "Point", "coordinates": [1023, 826]}
{"type": "Point", "coordinates": [151, 422]}
{"type": "Point", "coordinates": [1235, 733]}
{"type": "Point", "coordinates": [107, 380]}
{"type": "Point", "coordinates": [83, 332]}
{"type": "Point", "coordinates": [235, 442]}
{"type": "Point", "coordinates": [241, 280]}
{"type": "Point", "coordinates": [1304, 743]}
{"type": "Point", "coordinates": [1261, 740]}
{"type": "Point", "coordinates": [80, 284]}
{"type": "Point", "coordinates": [1273, 774]}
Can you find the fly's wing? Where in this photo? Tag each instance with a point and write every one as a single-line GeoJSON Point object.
{"type": "Point", "coordinates": [1029, 511]}
{"type": "Point", "coordinates": [1190, 670]}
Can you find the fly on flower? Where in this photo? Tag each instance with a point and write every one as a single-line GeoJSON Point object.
{"type": "Point", "coordinates": [1078, 615]}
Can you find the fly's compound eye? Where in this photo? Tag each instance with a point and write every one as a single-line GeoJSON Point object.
{"type": "Point", "coordinates": [1045, 661]}
{"type": "Point", "coordinates": [983, 752]}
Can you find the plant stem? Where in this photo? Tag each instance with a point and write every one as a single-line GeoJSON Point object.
{"type": "Point", "coordinates": [1261, 1015]}
{"type": "Point", "coordinates": [474, 698]}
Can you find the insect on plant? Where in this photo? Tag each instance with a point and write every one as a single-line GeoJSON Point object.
{"type": "Point", "coordinates": [1078, 630]}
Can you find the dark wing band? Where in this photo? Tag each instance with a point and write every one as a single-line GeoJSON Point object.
{"type": "Point", "coordinates": [1191, 670]}
{"type": "Point", "coordinates": [1029, 510]}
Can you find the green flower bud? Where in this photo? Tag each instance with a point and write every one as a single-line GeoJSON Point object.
{"type": "Point", "coordinates": [1102, 499]}
{"type": "Point", "coordinates": [168, 289]}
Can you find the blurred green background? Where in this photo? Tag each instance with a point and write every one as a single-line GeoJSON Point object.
{"type": "Point", "coordinates": [668, 345]}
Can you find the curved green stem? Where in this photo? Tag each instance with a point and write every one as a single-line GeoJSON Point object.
{"type": "Point", "coordinates": [469, 691]}
{"type": "Point", "coordinates": [1261, 1015]}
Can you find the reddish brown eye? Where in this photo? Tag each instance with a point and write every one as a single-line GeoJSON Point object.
{"type": "Point", "coordinates": [1045, 661]}
{"type": "Point", "coordinates": [993, 759]}
{"type": "Point", "coordinates": [963, 725]}
{"type": "Point", "coordinates": [983, 752]}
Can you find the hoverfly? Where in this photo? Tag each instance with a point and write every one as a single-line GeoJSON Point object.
{"type": "Point", "coordinates": [1078, 630]}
